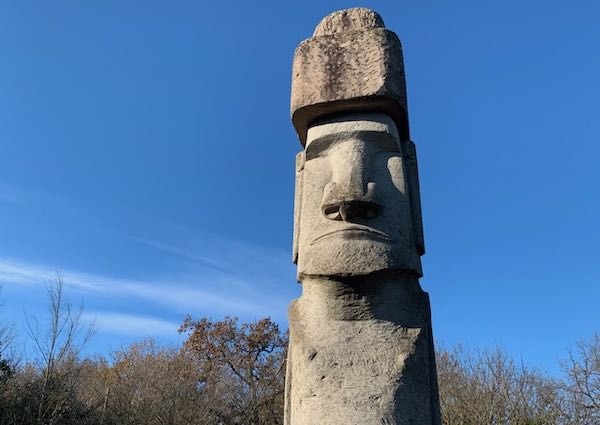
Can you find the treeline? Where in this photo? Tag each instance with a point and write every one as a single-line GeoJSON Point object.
{"type": "Point", "coordinates": [231, 373]}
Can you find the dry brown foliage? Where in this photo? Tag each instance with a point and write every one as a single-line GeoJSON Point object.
{"type": "Point", "coordinates": [242, 367]}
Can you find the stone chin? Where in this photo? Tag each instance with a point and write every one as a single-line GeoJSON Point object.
{"type": "Point", "coordinates": [347, 257]}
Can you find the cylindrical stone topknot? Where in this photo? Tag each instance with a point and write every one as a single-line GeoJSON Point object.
{"type": "Point", "coordinates": [351, 64]}
{"type": "Point", "coordinates": [355, 19]}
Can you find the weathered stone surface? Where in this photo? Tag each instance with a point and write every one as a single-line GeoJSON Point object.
{"type": "Point", "coordinates": [353, 165]}
{"type": "Point", "coordinates": [355, 19]}
{"type": "Point", "coordinates": [361, 353]}
{"type": "Point", "coordinates": [361, 347]}
{"type": "Point", "coordinates": [352, 63]}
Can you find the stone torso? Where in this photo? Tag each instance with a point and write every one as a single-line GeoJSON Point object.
{"type": "Point", "coordinates": [349, 358]}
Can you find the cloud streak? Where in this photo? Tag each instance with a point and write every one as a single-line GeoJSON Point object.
{"type": "Point", "coordinates": [185, 272]}
{"type": "Point", "coordinates": [130, 324]}
{"type": "Point", "coordinates": [246, 288]}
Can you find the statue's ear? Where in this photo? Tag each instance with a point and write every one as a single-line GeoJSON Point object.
{"type": "Point", "coordinates": [297, 203]}
{"type": "Point", "coordinates": [415, 196]}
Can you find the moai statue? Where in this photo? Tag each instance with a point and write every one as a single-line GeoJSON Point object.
{"type": "Point", "coordinates": [361, 347]}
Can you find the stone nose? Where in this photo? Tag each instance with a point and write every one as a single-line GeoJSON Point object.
{"type": "Point", "coordinates": [350, 195]}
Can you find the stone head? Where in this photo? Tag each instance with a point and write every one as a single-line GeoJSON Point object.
{"type": "Point", "coordinates": [357, 205]}
{"type": "Point", "coordinates": [354, 209]}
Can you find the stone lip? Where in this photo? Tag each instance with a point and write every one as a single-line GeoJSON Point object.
{"type": "Point", "coordinates": [351, 64]}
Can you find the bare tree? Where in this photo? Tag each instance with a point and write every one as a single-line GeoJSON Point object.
{"type": "Point", "coordinates": [7, 337]}
{"type": "Point", "coordinates": [582, 384]}
{"type": "Point", "coordinates": [7, 363]}
{"type": "Point", "coordinates": [148, 385]}
{"type": "Point", "coordinates": [488, 387]}
{"type": "Point", "coordinates": [58, 345]}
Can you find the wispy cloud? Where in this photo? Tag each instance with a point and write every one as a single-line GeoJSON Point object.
{"type": "Point", "coordinates": [130, 324]}
{"type": "Point", "coordinates": [208, 249]}
{"type": "Point", "coordinates": [26, 273]}
{"type": "Point", "coordinates": [188, 271]}
{"type": "Point", "coordinates": [208, 291]}
{"type": "Point", "coordinates": [179, 251]}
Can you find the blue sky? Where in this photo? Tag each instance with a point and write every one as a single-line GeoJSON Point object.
{"type": "Point", "coordinates": [147, 154]}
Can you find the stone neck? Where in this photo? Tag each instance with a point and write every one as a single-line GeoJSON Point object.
{"type": "Point", "coordinates": [395, 296]}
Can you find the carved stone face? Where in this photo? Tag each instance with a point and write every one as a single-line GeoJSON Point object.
{"type": "Point", "coordinates": [353, 209]}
